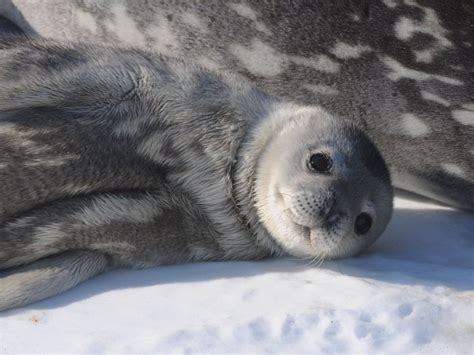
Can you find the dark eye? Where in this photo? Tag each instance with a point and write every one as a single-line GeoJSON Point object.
{"type": "Point", "coordinates": [320, 162]}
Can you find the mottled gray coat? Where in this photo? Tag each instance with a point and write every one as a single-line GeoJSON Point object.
{"type": "Point", "coordinates": [115, 130]}
{"type": "Point", "coordinates": [401, 69]}
{"type": "Point", "coordinates": [119, 158]}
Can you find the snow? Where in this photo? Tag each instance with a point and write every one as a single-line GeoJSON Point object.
{"type": "Point", "coordinates": [412, 292]}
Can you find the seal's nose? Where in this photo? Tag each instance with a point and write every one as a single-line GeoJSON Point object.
{"type": "Point", "coordinates": [362, 224]}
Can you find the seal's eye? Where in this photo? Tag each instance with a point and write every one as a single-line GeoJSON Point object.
{"type": "Point", "coordinates": [363, 223]}
{"type": "Point", "coordinates": [320, 162]}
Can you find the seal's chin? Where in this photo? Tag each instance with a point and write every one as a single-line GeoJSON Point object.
{"type": "Point", "coordinates": [323, 240]}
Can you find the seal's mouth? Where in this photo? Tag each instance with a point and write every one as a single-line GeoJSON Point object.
{"type": "Point", "coordinates": [321, 236]}
{"type": "Point", "coordinates": [332, 226]}
{"type": "Point", "coordinates": [303, 231]}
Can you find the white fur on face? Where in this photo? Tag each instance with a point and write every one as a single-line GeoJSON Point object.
{"type": "Point", "coordinates": [282, 176]}
{"type": "Point", "coordinates": [294, 240]}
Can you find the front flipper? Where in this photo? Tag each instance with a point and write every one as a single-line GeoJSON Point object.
{"type": "Point", "coordinates": [53, 248]}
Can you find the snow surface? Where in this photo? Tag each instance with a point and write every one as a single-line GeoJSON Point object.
{"type": "Point", "coordinates": [412, 292]}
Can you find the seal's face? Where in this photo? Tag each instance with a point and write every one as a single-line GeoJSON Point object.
{"type": "Point", "coordinates": [322, 189]}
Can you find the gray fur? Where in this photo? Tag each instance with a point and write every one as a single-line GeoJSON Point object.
{"type": "Point", "coordinates": [121, 158]}
{"type": "Point", "coordinates": [49, 276]}
{"type": "Point", "coordinates": [400, 69]}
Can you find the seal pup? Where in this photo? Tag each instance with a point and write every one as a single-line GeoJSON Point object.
{"type": "Point", "coordinates": [400, 69]}
{"type": "Point", "coordinates": [121, 158]}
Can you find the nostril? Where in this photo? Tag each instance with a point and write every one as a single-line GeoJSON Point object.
{"type": "Point", "coordinates": [363, 223]}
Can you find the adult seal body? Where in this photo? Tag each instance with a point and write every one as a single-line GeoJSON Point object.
{"type": "Point", "coordinates": [120, 158]}
{"type": "Point", "coordinates": [399, 69]}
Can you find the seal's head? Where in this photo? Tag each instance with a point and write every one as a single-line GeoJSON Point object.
{"type": "Point", "coordinates": [321, 188]}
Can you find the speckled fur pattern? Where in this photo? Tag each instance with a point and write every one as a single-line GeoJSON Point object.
{"type": "Point", "coordinates": [400, 69]}
{"type": "Point", "coordinates": [116, 157]}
